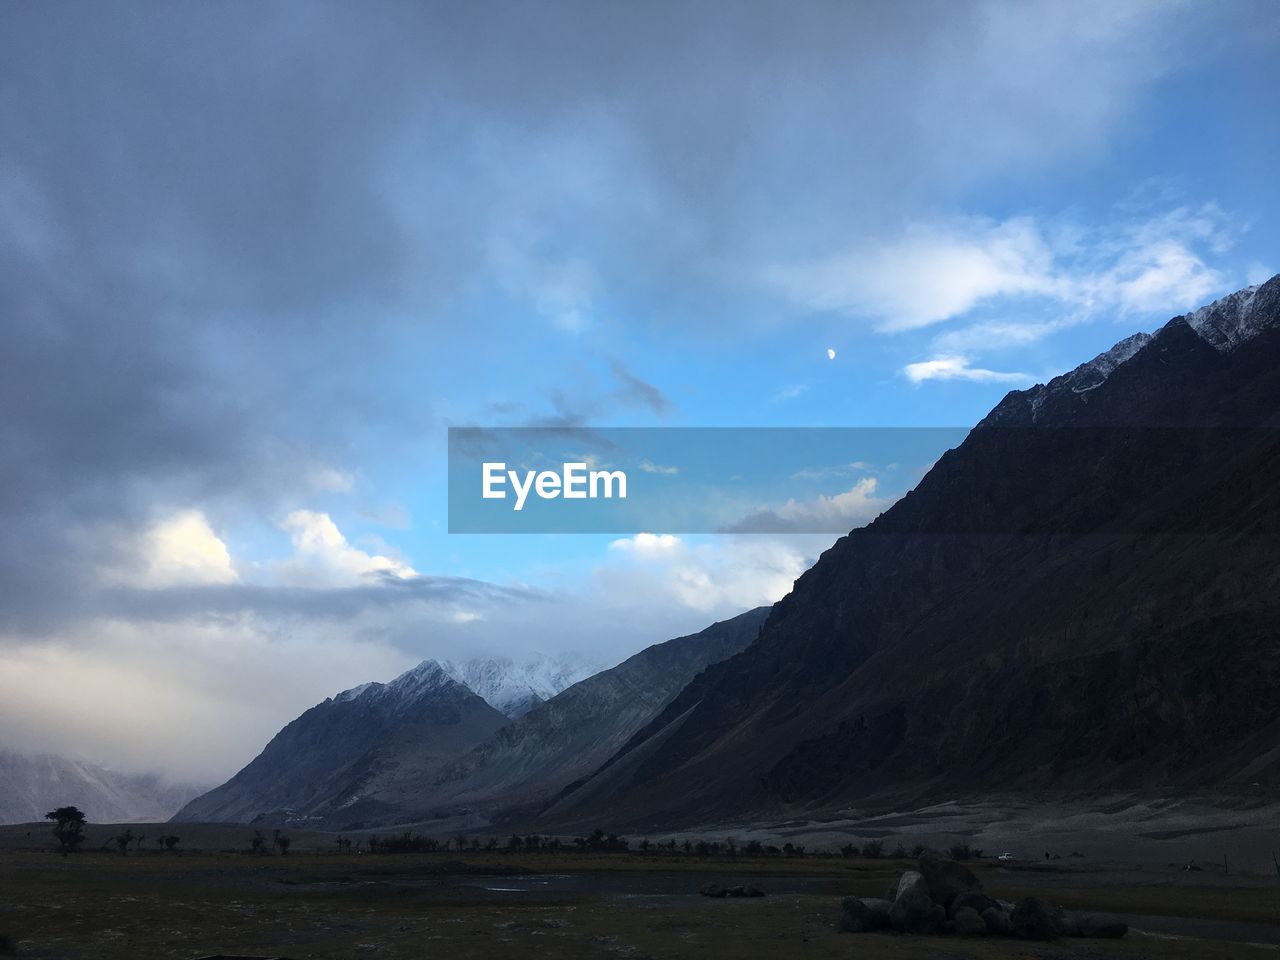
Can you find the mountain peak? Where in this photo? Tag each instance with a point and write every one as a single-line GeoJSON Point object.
{"type": "Point", "coordinates": [514, 687]}
{"type": "Point", "coordinates": [1235, 318]}
{"type": "Point", "coordinates": [1224, 324]}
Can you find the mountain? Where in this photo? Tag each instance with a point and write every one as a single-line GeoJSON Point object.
{"type": "Point", "coordinates": [373, 733]}
{"type": "Point", "coordinates": [32, 785]}
{"type": "Point", "coordinates": [516, 687]}
{"type": "Point", "coordinates": [528, 762]}
{"type": "Point", "coordinates": [1082, 596]}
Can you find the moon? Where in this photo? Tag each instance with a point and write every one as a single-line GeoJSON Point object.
{"type": "Point", "coordinates": [831, 354]}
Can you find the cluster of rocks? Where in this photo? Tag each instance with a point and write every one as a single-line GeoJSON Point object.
{"type": "Point", "coordinates": [944, 897]}
{"type": "Point", "coordinates": [715, 890]}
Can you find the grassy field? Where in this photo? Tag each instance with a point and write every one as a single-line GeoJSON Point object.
{"type": "Point", "coordinates": [326, 905]}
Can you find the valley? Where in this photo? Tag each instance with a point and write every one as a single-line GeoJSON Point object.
{"type": "Point", "coordinates": [322, 905]}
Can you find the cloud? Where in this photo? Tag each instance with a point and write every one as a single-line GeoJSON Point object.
{"type": "Point", "coordinates": [930, 274]}
{"type": "Point", "coordinates": [648, 544]}
{"type": "Point", "coordinates": [323, 557]}
{"type": "Point", "coordinates": [935, 272]}
{"type": "Point", "coordinates": [183, 551]}
{"type": "Point", "coordinates": [648, 466]}
{"type": "Point", "coordinates": [958, 368]}
{"type": "Point", "coordinates": [715, 578]}
{"type": "Point", "coordinates": [791, 392]}
{"type": "Point", "coordinates": [838, 513]}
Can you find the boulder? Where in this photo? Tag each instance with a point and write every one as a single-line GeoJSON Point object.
{"type": "Point", "coordinates": [863, 914]}
{"type": "Point", "coordinates": [947, 879]}
{"type": "Point", "coordinates": [968, 923]}
{"type": "Point", "coordinates": [997, 922]}
{"type": "Point", "coordinates": [913, 910]}
{"type": "Point", "coordinates": [738, 891]}
{"type": "Point", "coordinates": [1098, 928]}
{"type": "Point", "coordinates": [909, 880]}
{"type": "Point", "coordinates": [1068, 926]}
{"type": "Point", "coordinates": [1033, 919]}
{"type": "Point", "coordinates": [713, 890]}
{"type": "Point", "coordinates": [751, 890]}
{"type": "Point", "coordinates": [977, 902]}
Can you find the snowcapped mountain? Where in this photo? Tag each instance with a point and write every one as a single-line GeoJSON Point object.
{"type": "Point", "coordinates": [1226, 325]}
{"type": "Point", "coordinates": [516, 687]}
{"type": "Point", "coordinates": [32, 785]}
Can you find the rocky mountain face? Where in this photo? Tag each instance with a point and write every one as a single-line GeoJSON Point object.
{"type": "Point", "coordinates": [1083, 595]}
{"type": "Point", "coordinates": [32, 785]}
{"type": "Point", "coordinates": [374, 733]}
{"type": "Point", "coordinates": [526, 763]}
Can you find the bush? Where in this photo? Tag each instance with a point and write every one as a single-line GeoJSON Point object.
{"type": "Point", "coordinates": [961, 851]}
{"type": "Point", "coordinates": [873, 849]}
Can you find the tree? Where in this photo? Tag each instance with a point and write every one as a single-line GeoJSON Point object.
{"type": "Point", "coordinates": [170, 841]}
{"type": "Point", "coordinates": [259, 843]}
{"type": "Point", "coordinates": [123, 841]}
{"type": "Point", "coordinates": [282, 841]}
{"type": "Point", "coordinates": [68, 827]}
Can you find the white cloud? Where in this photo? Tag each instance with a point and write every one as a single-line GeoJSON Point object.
{"type": "Point", "coordinates": [934, 272]}
{"type": "Point", "coordinates": [717, 578]}
{"type": "Point", "coordinates": [836, 513]}
{"type": "Point", "coordinates": [958, 368]}
{"type": "Point", "coordinates": [323, 557]}
{"type": "Point", "coordinates": [181, 550]}
{"type": "Point", "coordinates": [648, 466]}
{"type": "Point", "coordinates": [648, 544]}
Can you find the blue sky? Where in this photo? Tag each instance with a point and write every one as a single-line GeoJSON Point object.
{"type": "Point", "coordinates": [256, 262]}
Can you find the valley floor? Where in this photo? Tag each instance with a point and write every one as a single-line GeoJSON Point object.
{"type": "Point", "coordinates": [318, 904]}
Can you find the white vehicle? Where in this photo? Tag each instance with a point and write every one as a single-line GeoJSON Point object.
{"type": "Point", "coordinates": [1006, 857]}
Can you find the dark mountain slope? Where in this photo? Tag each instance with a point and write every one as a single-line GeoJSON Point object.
{"type": "Point", "coordinates": [327, 755]}
{"type": "Point", "coordinates": [1082, 594]}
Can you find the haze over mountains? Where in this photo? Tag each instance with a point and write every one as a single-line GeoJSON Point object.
{"type": "Point", "coordinates": [1082, 596]}
{"type": "Point", "coordinates": [32, 785]}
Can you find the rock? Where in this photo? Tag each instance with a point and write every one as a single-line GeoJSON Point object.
{"type": "Point", "coordinates": [977, 902]}
{"type": "Point", "coordinates": [1068, 926]}
{"type": "Point", "coordinates": [913, 910]}
{"type": "Point", "coordinates": [909, 880]}
{"type": "Point", "coordinates": [1097, 928]}
{"type": "Point", "coordinates": [1033, 919]}
{"type": "Point", "coordinates": [863, 914]}
{"type": "Point", "coordinates": [713, 890]}
{"type": "Point", "coordinates": [750, 890]}
{"type": "Point", "coordinates": [947, 879]}
{"type": "Point", "coordinates": [997, 922]}
{"type": "Point", "coordinates": [968, 923]}
{"type": "Point", "coordinates": [738, 891]}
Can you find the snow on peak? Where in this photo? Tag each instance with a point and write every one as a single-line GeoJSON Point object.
{"type": "Point", "coordinates": [515, 687]}
{"type": "Point", "coordinates": [428, 675]}
{"type": "Point", "coordinates": [1226, 323]}
{"type": "Point", "coordinates": [509, 686]}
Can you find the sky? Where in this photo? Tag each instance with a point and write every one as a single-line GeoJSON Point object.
{"type": "Point", "coordinates": [256, 259]}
